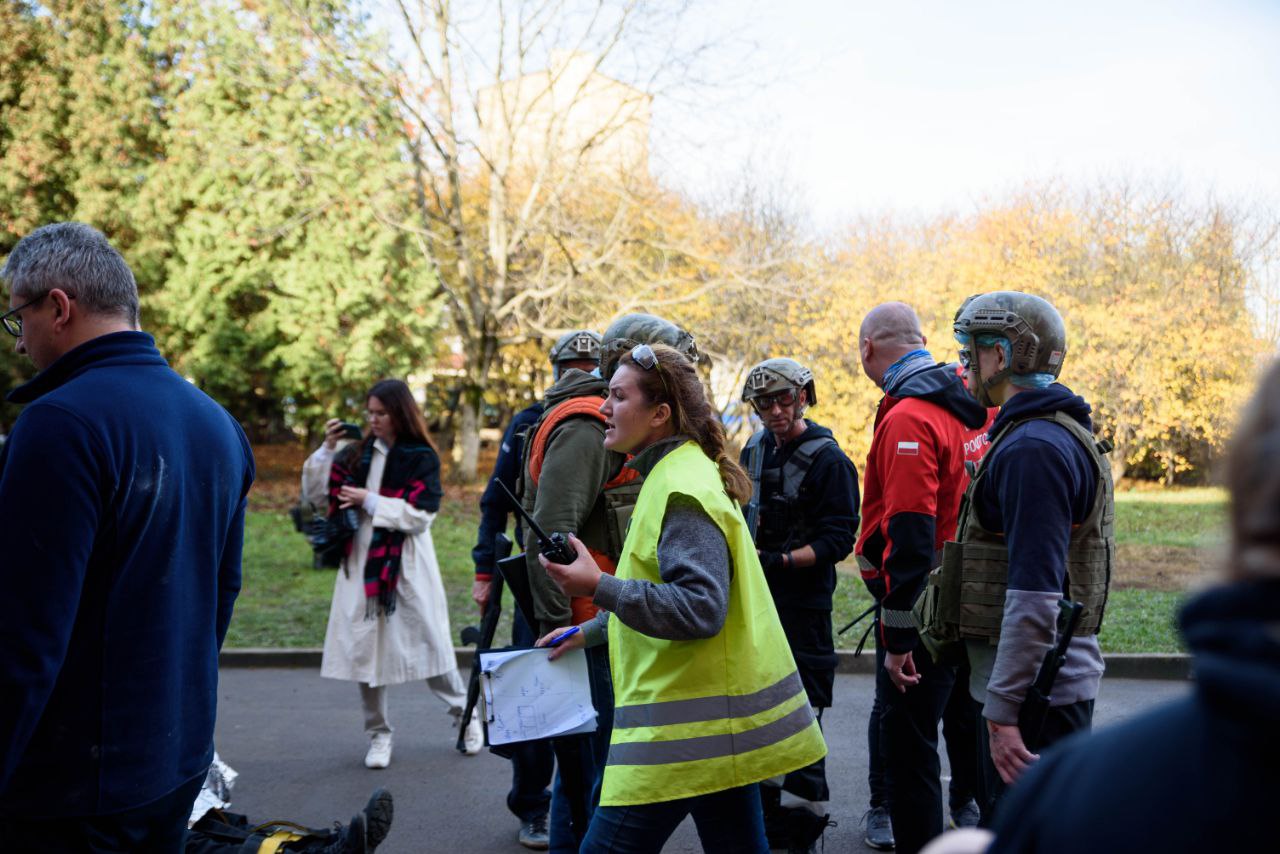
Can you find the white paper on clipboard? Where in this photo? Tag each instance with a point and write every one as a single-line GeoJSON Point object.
{"type": "Point", "coordinates": [527, 696]}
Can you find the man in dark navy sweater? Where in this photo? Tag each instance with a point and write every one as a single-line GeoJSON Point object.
{"type": "Point", "coordinates": [122, 495]}
{"type": "Point", "coordinates": [1041, 507]}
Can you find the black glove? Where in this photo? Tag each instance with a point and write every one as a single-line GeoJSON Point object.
{"type": "Point", "coordinates": [770, 560]}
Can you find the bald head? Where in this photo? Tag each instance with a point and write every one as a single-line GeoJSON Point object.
{"type": "Point", "coordinates": [893, 324]}
{"type": "Point", "coordinates": [888, 332]}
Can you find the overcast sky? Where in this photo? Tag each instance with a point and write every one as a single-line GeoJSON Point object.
{"type": "Point", "coordinates": [929, 106]}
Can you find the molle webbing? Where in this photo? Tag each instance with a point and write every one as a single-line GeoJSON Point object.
{"type": "Point", "coordinates": [984, 555]}
{"type": "Point", "coordinates": [793, 473]}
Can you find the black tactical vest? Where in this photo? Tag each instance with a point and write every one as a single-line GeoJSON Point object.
{"type": "Point", "coordinates": [775, 515]}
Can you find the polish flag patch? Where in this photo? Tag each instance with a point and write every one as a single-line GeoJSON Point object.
{"type": "Point", "coordinates": [909, 449]}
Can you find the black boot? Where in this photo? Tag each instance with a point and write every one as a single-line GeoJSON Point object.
{"type": "Point", "coordinates": [804, 829]}
{"type": "Point", "coordinates": [377, 818]}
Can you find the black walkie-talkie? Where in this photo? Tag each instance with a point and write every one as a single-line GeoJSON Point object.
{"type": "Point", "coordinates": [555, 548]}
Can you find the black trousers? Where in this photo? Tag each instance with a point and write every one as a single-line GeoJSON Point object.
{"type": "Point", "coordinates": [155, 828]}
{"type": "Point", "coordinates": [960, 729]}
{"type": "Point", "coordinates": [909, 741]}
{"type": "Point", "coordinates": [1060, 722]}
{"type": "Point", "coordinates": [532, 762]}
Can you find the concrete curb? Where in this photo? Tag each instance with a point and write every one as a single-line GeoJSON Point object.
{"type": "Point", "coordinates": [1167, 666]}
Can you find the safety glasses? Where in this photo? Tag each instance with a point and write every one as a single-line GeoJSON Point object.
{"type": "Point", "coordinates": [767, 401]}
{"type": "Point", "coordinates": [643, 356]}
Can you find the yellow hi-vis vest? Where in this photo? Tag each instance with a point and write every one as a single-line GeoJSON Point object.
{"type": "Point", "coordinates": [700, 716]}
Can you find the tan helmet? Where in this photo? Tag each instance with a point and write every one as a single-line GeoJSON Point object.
{"type": "Point", "coordinates": [1033, 327]}
{"type": "Point", "coordinates": [632, 329]}
{"type": "Point", "coordinates": [774, 375]}
{"type": "Point", "coordinates": [576, 346]}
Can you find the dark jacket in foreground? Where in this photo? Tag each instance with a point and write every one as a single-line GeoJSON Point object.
{"type": "Point", "coordinates": [1197, 775]}
{"type": "Point", "coordinates": [122, 500]}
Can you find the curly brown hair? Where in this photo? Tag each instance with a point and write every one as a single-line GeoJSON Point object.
{"type": "Point", "coordinates": [675, 382]}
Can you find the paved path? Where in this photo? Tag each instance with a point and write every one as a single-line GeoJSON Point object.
{"type": "Point", "coordinates": [296, 740]}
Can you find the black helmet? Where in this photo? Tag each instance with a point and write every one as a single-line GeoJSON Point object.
{"type": "Point", "coordinates": [580, 345]}
{"type": "Point", "coordinates": [632, 329]}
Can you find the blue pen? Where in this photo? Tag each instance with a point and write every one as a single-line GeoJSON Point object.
{"type": "Point", "coordinates": [556, 642]}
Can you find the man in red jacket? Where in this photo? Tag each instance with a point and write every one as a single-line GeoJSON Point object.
{"type": "Point", "coordinates": [926, 425]}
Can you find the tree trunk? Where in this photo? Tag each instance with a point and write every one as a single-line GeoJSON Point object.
{"type": "Point", "coordinates": [1118, 463]}
{"type": "Point", "coordinates": [466, 451]}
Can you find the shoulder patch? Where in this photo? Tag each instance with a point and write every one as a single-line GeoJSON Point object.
{"type": "Point", "coordinates": [909, 449]}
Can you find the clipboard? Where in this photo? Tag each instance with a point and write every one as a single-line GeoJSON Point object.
{"type": "Point", "coordinates": [528, 697]}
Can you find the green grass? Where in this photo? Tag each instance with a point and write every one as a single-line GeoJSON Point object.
{"type": "Point", "coordinates": [285, 603]}
{"type": "Point", "coordinates": [1141, 621]}
{"type": "Point", "coordinates": [1187, 518]}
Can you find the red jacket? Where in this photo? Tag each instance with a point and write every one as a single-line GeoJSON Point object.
{"type": "Point", "coordinates": [926, 427]}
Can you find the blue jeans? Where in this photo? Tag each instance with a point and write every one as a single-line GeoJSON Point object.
{"type": "Point", "coordinates": [595, 752]}
{"type": "Point", "coordinates": [729, 821]}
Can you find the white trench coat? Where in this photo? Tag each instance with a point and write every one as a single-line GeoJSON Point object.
{"type": "Point", "coordinates": [415, 642]}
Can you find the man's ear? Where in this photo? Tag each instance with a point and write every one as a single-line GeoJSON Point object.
{"type": "Point", "coordinates": [61, 308]}
{"type": "Point", "coordinates": [803, 397]}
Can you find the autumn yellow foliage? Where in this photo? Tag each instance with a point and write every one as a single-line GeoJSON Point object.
{"type": "Point", "coordinates": [1160, 338]}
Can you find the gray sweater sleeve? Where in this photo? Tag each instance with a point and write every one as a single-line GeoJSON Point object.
{"type": "Point", "coordinates": [693, 600]}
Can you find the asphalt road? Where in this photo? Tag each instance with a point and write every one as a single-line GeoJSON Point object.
{"type": "Point", "coordinates": [298, 744]}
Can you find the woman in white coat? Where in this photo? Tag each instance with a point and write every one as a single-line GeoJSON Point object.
{"type": "Point", "coordinates": [389, 621]}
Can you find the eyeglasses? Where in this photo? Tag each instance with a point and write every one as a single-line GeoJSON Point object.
{"type": "Point", "coordinates": [966, 357]}
{"type": "Point", "coordinates": [12, 320]}
{"type": "Point", "coordinates": [767, 401]}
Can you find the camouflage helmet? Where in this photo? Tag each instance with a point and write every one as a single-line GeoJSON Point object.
{"type": "Point", "coordinates": [632, 329]}
{"type": "Point", "coordinates": [1036, 334]}
{"type": "Point", "coordinates": [774, 375]}
{"type": "Point", "coordinates": [579, 345]}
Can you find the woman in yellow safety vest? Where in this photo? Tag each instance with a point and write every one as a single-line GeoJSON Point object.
{"type": "Point", "coordinates": [708, 700]}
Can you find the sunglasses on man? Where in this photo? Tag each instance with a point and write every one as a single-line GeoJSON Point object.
{"type": "Point", "coordinates": [765, 402]}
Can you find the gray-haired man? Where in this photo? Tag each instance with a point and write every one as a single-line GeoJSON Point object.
{"type": "Point", "coordinates": [122, 495]}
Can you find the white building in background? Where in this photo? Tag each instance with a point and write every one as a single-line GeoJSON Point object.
{"type": "Point", "coordinates": [569, 116]}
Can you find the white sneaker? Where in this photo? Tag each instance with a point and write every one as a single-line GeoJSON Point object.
{"type": "Point", "coordinates": [379, 755]}
{"type": "Point", "coordinates": [473, 738]}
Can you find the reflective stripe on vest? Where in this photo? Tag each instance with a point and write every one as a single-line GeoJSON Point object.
{"type": "Point", "coordinates": [701, 716]}
{"type": "Point", "coordinates": [712, 746]}
{"type": "Point", "coordinates": [708, 708]}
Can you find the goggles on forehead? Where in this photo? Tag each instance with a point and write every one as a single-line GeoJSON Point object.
{"type": "Point", "coordinates": [765, 402]}
{"type": "Point", "coordinates": [642, 356]}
